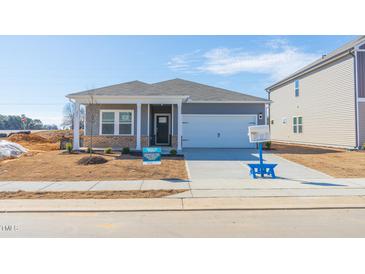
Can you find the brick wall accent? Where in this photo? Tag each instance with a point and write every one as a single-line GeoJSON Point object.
{"type": "Point", "coordinates": [144, 141]}
{"type": "Point", "coordinates": [117, 142]}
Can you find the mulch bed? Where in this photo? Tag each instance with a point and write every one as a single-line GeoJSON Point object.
{"type": "Point", "coordinates": [92, 160]}
{"type": "Point", "coordinates": [130, 194]}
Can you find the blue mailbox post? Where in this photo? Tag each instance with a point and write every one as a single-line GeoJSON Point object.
{"type": "Point", "coordinates": [260, 134]}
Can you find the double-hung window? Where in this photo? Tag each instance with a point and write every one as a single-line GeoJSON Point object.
{"type": "Point", "coordinates": [116, 122]}
{"type": "Point", "coordinates": [296, 88]}
{"type": "Point", "coordinates": [125, 123]}
{"type": "Point", "coordinates": [298, 124]}
{"type": "Point", "coordinates": [107, 123]}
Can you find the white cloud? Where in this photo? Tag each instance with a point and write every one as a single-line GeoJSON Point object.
{"type": "Point", "coordinates": [184, 62]}
{"type": "Point", "coordinates": [278, 60]}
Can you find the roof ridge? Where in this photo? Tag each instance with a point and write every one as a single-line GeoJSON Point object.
{"type": "Point", "coordinates": [213, 87]}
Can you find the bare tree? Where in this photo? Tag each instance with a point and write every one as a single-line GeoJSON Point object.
{"type": "Point", "coordinates": [92, 120]}
{"type": "Point", "coordinates": [69, 110]}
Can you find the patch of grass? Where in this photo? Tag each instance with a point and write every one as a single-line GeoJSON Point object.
{"type": "Point", "coordinates": [69, 147]}
{"type": "Point", "coordinates": [108, 150]}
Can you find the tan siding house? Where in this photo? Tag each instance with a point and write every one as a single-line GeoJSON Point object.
{"type": "Point", "coordinates": [319, 105]}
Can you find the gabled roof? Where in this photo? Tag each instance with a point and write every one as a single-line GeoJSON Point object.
{"type": "Point", "coordinates": [176, 87]}
{"type": "Point", "coordinates": [201, 92]}
{"type": "Point", "coordinates": [126, 89]}
{"type": "Point", "coordinates": [345, 49]}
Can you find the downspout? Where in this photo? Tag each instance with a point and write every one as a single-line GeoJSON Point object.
{"type": "Point", "coordinates": [268, 118]}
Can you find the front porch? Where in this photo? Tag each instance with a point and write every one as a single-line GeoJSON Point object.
{"type": "Point", "coordinates": [129, 123]}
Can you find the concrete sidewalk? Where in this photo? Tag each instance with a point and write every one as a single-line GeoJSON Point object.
{"type": "Point", "coordinates": [209, 188]}
{"type": "Point", "coordinates": [177, 204]}
{"type": "Point", "coordinates": [93, 185]}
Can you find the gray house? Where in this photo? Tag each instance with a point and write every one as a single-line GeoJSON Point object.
{"type": "Point", "coordinates": [324, 102]}
{"type": "Point", "coordinates": [174, 113]}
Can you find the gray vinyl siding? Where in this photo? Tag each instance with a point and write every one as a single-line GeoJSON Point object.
{"type": "Point", "coordinates": [175, 116]}
{"type": "Point", "coordinates": [362, 123]}
{"type": "Point", "coordinates": [225, 108]}
{"type": "Point", "coordinates": [93, 113]}
{"type": "Point", "coordinates": [326, 102]}
{"type": "Point", "coordinates": [93, 116]}
{"type": "Point", "coordinates": [361, 73]}
{"type": "Point", "coordinates": [144, 122]}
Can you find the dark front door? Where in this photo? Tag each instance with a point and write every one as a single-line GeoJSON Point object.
{"type": "Point", "coordinates": [162, 129]}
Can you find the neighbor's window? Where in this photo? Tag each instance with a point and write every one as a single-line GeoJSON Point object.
{"type": "Point", "coordinates": [107, 123]}
{"type": "Point", "coordinates": [296, 83]}
{"type": "Point", "coordinates": [297, 124]}
{"type": "Point", "coordinates": [125, 123]}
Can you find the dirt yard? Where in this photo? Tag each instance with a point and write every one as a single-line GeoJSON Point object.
{"type": "Point", "coordinates": [40, 141]}
{"type": "Point", "coordinates": [130, 194]}
{"type": "Point", "coordinates": [60, 166]}
{"type": "Point", "coordinates": [334, 162]}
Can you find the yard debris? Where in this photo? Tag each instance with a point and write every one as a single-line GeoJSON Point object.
{"type": "Point", "coordinates": [92, 160]}
{"type": "Point", "coordinates": [42, 140]}
{"type": "Point", "coordinates": [10, 150]}
{"type": "Point", "coordinates": [22, 137]}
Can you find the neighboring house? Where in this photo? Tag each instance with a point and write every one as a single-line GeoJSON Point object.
{"type": "Point", "coordinates": [175, 113]}
{"type": "Point", "coordinates": [324, 102]}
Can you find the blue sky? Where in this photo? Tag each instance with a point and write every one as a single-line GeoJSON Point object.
{"type": "Point", "coordinates": [36, 72]}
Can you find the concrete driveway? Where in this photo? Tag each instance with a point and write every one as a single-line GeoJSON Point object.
{"type": "Point", "coordinates": [231, 164]}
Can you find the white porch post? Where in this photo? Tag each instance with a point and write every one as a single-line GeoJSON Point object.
{"type": "Point", "coordinates": [138, 117]}
{"type": "Point", "coordinates": [76, 139]}
{"type": "Point", "coordinates": [179, 126]}
{"type": "Point", "coordinates": [148, 124]}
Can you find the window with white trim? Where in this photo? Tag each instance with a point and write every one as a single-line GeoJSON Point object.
{"type": "Point", "coordinates": [298, 124]}
{"type": "Point", "coordinates": [296, 88]}
{"type": "Point", "coordinates": [107, 123]}
{"type": "Point", "coordinates": [116, 122]}
{"type": "Point", "coordinates": [125, 123]}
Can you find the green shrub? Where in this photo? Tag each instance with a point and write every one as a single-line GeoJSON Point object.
{"type": "Point", "coordinates": [108, 150]}
{"type": "Point", "coordinates": [173, 152]}
{"type": "Point", "coordinates": [126, 150]}
{"type": "Point", "coordinates": [268, 145]}
{"type": "Point", "coordinates": [89, 150]}
{"type": "Point", "coordinates": [69, 147]}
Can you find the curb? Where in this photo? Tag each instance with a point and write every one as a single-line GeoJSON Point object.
{"type": "Point", "coordinates": [182, 204]}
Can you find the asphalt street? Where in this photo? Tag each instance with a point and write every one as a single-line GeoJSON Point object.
{"type": "Point", "coordinates": [223, 223]}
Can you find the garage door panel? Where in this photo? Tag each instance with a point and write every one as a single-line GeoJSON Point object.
{"type": "Point", "coordinates": [217, 131]}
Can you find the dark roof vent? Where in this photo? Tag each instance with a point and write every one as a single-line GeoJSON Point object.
{"type": "Point", "coordinates": [324, 56]}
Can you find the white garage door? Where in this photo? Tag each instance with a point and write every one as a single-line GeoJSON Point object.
{"type": "Point", "coordinates": [217, 131]}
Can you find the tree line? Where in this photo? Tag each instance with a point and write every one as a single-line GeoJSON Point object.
{"type": "Point", "coordinates": [21, 122]}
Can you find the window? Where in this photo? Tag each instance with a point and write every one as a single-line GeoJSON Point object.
{"type": "Point", "coordinates": [297, 124]}
{"type": "Point", "coordinates": [125, 123]}
{"type": "Point", "coordinates": [296, 83]}
{"type": "Point", "coordinates": [116, 122]}
{"type": "Point", "coordinates": [107, 122]}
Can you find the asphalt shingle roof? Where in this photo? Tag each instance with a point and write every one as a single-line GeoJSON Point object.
{"type": "Point", "coordinates": [175, 87]}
